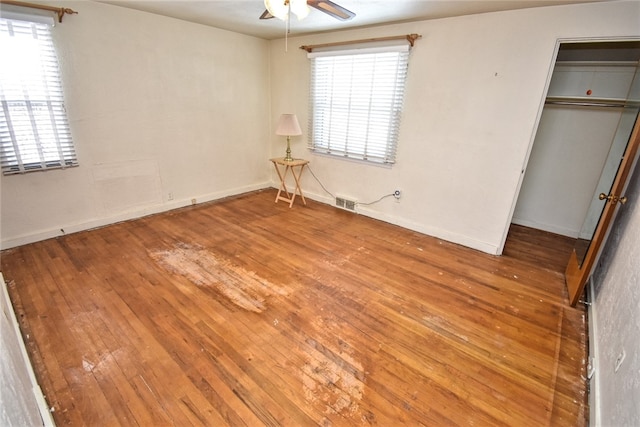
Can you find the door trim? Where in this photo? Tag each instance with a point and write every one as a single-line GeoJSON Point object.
{"type": "Point", "coordinates": [536, 124]}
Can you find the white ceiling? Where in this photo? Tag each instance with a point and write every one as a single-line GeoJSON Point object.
{"type": "Point", "coordinates": [242, 15]}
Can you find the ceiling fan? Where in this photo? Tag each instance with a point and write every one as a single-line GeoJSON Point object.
{"type": "Point", "coordinates": [280, 9]}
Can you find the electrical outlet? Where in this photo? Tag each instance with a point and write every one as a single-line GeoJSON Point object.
{"type": "Point", "coordinates": [591, 368]}
{"type": "Point", "coordinates": [619, 361]}
{"type": "Point", "coordinates": [170, 196]}
{"type": "Point", "coordinates": [193, 202]}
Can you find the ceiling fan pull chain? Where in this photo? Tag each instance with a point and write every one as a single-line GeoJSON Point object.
{"type": "Point", "coordinates": [287, 28]}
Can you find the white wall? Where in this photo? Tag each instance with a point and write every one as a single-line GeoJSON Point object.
{"type": "Point", "coordinates": [156, 106]}
{"type": "Point", "coordinates": [616, 318]}
{"type": "Point", "coordinates": [474, 92]}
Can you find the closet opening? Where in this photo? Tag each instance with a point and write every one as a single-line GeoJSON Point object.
{"type": "Point", "coordinates": [590, 111]}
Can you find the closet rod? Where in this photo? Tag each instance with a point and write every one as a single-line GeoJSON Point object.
{"type": "Point", "coordinates": [60, 11]}
{"type": "Point", "coordinates": [612, 103]}
{"type": "Point", "coordinates": [584, 104]}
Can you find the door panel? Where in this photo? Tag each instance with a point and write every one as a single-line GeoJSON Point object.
{"type": "Point", "coordinates": [578, 270]}
{"type": "Point", "coordinates": [607, 178]}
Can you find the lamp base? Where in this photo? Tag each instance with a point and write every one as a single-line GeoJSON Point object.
{"type": "Point", "coordinates": [288, 157]}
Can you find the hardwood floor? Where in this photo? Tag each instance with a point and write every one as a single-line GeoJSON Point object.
{"type": "Point", "coordinates": [246, 312]}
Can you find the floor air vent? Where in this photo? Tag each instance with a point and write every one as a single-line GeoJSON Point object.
{"type": "Point", "coordinates": [346, 204]}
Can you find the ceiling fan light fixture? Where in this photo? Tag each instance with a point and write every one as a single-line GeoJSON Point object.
{"type": "Point", "coordinates": [300, 8]}
{"type": "Point", "coordinates": [280, 8]}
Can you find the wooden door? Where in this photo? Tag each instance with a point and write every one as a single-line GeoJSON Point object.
{"type": "Point", "coordinates": [577, 272]}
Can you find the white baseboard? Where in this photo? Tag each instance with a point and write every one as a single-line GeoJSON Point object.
{"type": "Point", "coordinates": [546, 227]}
{"type": "Point", "coordinates": [420, 228]}
{"type": "Point", "coordinates": [594, 398]}
{"type": "Point", "coordinates": [37, 236]}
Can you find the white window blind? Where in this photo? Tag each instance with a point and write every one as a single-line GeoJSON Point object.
{"type": "Point", "coordinates": [34, 131]}
{"type": "Point", "coordinates": [356, 102]}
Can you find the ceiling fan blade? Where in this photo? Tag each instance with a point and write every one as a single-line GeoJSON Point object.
{"type": "Point", "coordinates": [332, 9]}
{"type": "Point", "coordinates": [266, 15]}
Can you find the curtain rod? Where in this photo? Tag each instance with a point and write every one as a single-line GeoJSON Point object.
{"type": "Point", "coordinates": [60, 11]}
{"type": "Point", "coordinates": [411, 38]}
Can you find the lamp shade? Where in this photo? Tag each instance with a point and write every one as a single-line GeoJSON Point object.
{"type": "Point", "coordinates": [288, 125]}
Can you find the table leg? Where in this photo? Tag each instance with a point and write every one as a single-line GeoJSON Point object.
{"type": "Point", "coordinates": [283, 185]}
{"type": "Point", "coordinates": [298, 188]}
{"type": "Point", "coordinates": [291, 197]}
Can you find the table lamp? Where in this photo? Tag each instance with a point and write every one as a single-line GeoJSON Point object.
{"type": "Point", "coordinates": [288, 126]}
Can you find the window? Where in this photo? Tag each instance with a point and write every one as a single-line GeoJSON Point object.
{"type": "Point", "coordinates": [34, 132]}
{"type": "Point", "coordinates": [356, 102]}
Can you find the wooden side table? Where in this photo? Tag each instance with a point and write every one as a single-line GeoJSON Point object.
{"type": "Point", "coordinates": [298, 164]}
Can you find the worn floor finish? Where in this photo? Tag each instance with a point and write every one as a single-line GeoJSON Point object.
{"type": "Point", "coordinates": [246, 312]}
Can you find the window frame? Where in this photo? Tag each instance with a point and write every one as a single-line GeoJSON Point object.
{"type": "Point", "coordinates": [376, 115]}
{"type": "Point", "coordinates": [34, 130]}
